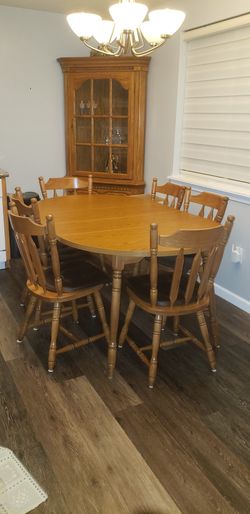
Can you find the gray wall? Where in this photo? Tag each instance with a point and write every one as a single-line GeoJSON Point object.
{"type": "Point", "coordinates": [32, 111]}
{"type": "Point", "coordinates": [31, 94]}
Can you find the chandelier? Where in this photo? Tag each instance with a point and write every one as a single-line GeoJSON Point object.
{"type": "Point", "coordinates": [128, 33]}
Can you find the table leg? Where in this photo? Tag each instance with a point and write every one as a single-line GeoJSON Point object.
{"type": "Point", "coordinates": [118, 266]}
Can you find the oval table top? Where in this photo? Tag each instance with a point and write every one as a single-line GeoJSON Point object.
{"type": "Point", "coordinates": [115, 225]}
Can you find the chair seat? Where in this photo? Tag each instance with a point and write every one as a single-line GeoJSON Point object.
{"type": "Point", "coordinates": [140, 286]}
{"type": "Point", "coordinates": [77, 276]}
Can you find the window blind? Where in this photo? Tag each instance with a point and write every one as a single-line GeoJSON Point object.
{"type": "Point", "coordinates": [216, 117]}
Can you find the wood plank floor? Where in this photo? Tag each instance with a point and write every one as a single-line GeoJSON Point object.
{"type": "Point", "coordinates": [117, 447]}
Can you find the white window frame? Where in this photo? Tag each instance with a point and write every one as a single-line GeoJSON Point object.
{"type": "Point", "coordinates": [236, 191]}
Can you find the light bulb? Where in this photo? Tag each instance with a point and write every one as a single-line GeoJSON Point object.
{"type": "Point", "coordinates": [168, 21]}
{"type": "Point", "coordinates": [128, 16]}
{"type": "Point", "coordinates": [83, 23]}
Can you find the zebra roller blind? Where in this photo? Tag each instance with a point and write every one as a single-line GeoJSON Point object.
{"type": "Point", "coordinates": [216, 119]}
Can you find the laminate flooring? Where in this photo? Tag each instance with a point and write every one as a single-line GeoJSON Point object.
{"type": "Point", "coordinates": [116, 447]}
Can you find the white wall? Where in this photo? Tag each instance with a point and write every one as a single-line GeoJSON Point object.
{"type": "Point", "coordinates": [31, 94]}
{"type": "Point", "coordinates": [233, 280]}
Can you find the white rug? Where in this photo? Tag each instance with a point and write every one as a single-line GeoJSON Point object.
{"type": "Point", "coordinates": [19, 492]}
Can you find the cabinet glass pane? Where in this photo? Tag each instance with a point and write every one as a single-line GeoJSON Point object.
{"type": "Point", "coordinates": [101, 130]}
{"type": "Point", "coordinates": [101, 96]}
{"type": "Point", "coordinates": [119, 99]}
{"type": "Point", "coordinates": [83, 130]}
{"type": "Point", "coordinates": [120, 131]}
{"type": "Point", "coordinates": [118, 160]}
{"type": "Point", "coordinates": [83, 98]}
{"type": "Point", "coordinates": [101, 159]}
{"type": "Point", "coordinates": [83, 158]}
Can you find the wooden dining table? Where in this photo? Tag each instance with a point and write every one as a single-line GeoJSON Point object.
{"type": "Point", "coordinates": [117, 226]}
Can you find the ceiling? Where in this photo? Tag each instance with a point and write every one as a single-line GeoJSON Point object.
{"type": "Point", "coordinates": [67, 6]}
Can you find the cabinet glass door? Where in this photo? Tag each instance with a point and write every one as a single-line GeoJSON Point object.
{"type": "Point", "coordinates": [101, 127]}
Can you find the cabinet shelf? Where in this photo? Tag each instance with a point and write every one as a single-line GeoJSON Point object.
{"type": "Point", "coordinates": [103, 145]}
{"type": "Point", "coordinates": [108, 138]}
{"type": "Point", "coordinates": [107, 116]}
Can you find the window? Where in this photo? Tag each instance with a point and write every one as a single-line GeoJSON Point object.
{"type": "Point", "coordinates": [215, 133]}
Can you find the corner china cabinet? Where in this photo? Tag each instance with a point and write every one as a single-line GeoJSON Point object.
{"type": "Point", "coordinates": [105, 104]}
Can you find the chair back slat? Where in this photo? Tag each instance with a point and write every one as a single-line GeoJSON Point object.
{"type": "Point", "coordinates": [43, 241]}
{"type": "Point", "coordinates": [192, 279]}
{"type": "Point", "coordinates": [23, 248]}
{"type": "Point", "coordinates": [177, 274]}
{"type": "Point", "coordinates": [66, 184]}
{"type": "Point", "coordinates": [206, 280]}
{"type": "Point", "coordinates": [210, 215]}
{"type": "Point", "coordinates": [173, 193]}
{"type": "Point", "coordinates": [197, 244]}
{"type": "Point", "coordinates": [37, 265]}
{"type": "Point", "coordinates": [202, 211]}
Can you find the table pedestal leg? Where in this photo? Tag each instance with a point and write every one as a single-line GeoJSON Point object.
{"type": "Point", "coordinates": [118, 266]}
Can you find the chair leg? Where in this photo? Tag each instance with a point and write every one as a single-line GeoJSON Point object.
{"type": "Point", "coordinates": [28, 314]}
{"type": "Point", "coordinates": [24, 296]}
{"type": "Point", "coordinates": [102, 263]}
{"type": "Point", "coordinates": [53, 339]}
{"type": "Point", "coordinates": [164, 321]}
{"type": "Point", "coordinates": [124, 331]}
{"type": "Point", "coordinates": [91, 306]}
{"type": "Point", "coordinates": [206, 338]}
{"type": "Point", "coordinates": [176, 323]}
{"type": "Point", "coordinates": [155, 350]}
{"type": "Point", "coordinates": [101, 312]}
{"type": "Point", "coordinates": [38, 313]}
{"type": "Point", "coordinates": [74, 311]}
{"type": "Point", "coordinates": [213, 320]}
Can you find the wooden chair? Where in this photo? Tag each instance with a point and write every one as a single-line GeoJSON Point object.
{"type": "Point", "coordinates": [176, 294]}
{"type": "Point", "coordinates": [173, 197]}
{"type": "Point", "coordinates": [173, 194]}
{"type": "Point", "coordinates": [56, 285]}
{"type": "Point", "coordinates": [75, 185]}
{"type": "Point", "coordinates": [212, 206]}
{"type": "Point", "coordinates": [68, 256]}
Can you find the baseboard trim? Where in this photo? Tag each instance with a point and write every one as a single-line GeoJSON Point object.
{"type": "Point", "coordinates": [233, 298]}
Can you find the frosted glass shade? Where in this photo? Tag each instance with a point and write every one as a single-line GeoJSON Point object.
{"type": "Point", "coordinates": [128, 16]}
{"type": "Point", "coordinates": [151, 32]}
{"type": "Point", "coordinates": [83, 24]}
{"type": "Point", "coordinates": [103, 32]}
{"type": "Point", "coordinates": [168, 21]}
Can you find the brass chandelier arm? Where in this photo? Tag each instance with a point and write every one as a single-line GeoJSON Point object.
{"type": "Point", "coordinates": [149, 50]}
{"type": "Point", "coordinates": [125, 44]}
{"type": "Point", "coordinates": [135, 48]}
{"type": "Point", "coordinates": [104, 50]}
